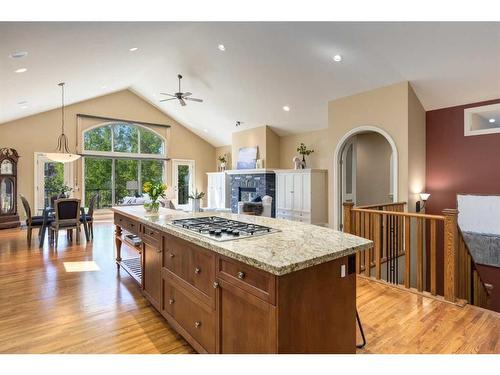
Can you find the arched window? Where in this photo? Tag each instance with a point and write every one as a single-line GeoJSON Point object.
{"type": "Point", "coordinates": [118, 159]}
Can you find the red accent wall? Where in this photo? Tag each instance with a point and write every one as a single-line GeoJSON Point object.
{"type": "Point", "coordinates": [458, 164]}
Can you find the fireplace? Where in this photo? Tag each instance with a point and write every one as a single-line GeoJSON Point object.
{"type": "Point", "coordinates": [246, 194]}
{"type": "Point", "coordinates": [247, 185]}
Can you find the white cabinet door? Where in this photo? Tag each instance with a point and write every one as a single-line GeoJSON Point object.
{"type": "Point", "coordinates": [280, 191]}
{"type": "Point", "coordinates": [306, 192]}
{"type": "Point", "coordinates": [288, 191]}
{"type": "Point", "coordinates": [297, 191]}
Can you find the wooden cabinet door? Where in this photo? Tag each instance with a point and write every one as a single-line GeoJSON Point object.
{"type": "Point", "coordinates": [151, 280]}
{"type": "Point", "coordinates": [247, 323]}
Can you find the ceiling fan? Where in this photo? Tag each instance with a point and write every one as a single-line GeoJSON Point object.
{"type": "Point", "coordinates": [181, 96]}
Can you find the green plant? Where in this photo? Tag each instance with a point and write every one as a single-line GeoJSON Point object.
{"type": "Point", "coordinates": [222, 158]}
{"type": "Point", "coordinates": [303, 150]}
{"type": "Point", "coordinates": [155, 190]}
{"type": "Point", "coordinates": [197, 195]}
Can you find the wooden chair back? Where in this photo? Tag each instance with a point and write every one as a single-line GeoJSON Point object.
{"type": "Point", "coordinates": [67, 210]}
{"type": "Point", "coordinates": [27, 208]}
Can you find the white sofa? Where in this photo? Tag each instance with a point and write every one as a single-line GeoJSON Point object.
{"type": "Point", "coordinates": [267, 202]}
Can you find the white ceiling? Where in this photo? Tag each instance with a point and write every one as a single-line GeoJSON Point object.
{"type": "Point", "coordinates": [265, 66]}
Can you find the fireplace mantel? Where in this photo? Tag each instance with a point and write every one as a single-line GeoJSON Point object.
{"type": "Point", "coordinates": [250, 171]}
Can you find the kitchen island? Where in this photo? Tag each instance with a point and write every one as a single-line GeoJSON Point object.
{"type": "Point", "coordinates": [292, 290]}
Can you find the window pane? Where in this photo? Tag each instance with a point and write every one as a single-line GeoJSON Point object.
{"type": "Point", "coordinates": [53, 174]}
{"type": "Point", "coordinates": [98, 139]}
{"type": "Point", "coordinates": [183, 184]}
{"type": "Point", "coordinates": [126, 183]}
{"type": "Point", "coordinates": [151, 171]}
{"type": "Point", "coordinates": [150, 142]}
{"type": "Point", "coordinates": [126, 138]}
{"type": "Point", "coordinates": [98, 181]}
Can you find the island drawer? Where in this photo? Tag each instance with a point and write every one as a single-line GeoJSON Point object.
{"type": "Point", "coordinates": [196, 318]}
{"type": "Point", "coordinates": [151, 236]}
{"type": "Point", "coordinates": [192, 264]}
{"type": "Point", "coordinates": [127, 224]}
{"type": "Point", "coordinates": [257, 282]}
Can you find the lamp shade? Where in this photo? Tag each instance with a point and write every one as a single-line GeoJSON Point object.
{"type": "Point", "coordinates": [424, 196]}
{"type": "Point", "coordinates": [62, 157]}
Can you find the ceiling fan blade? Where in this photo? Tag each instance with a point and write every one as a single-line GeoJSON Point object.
{"type": "Point", "coordinates": [187, 94]}
{"type": "Point", "coordinates": [195, 100]}
{"type": "Point", "coordinates": [164, 100]}
{"type": "Point", "coordinates": [183, 103]}
{"type": "Point", "coordinates": [162, 93]}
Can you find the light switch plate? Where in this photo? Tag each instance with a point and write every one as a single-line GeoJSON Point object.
{"type": "Point", "coordinates": [343, 271]}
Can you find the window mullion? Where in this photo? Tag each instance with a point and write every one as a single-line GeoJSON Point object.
{"type": "Point", "coordinates": [113, 182]}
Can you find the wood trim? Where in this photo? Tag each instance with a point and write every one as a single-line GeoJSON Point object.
{"type": "Point", "coordinates": [450, 254]}
{"type": "Point", "coordinates": [95, 117]}
{"type": "Point", "coordinates": [407, 252]}
{"type": "Point", "coordinates": [396, 213]}
{"type": "Point", "coordinates": [433, 259]}
{"type": "Point", "coordinates": [420, 255]}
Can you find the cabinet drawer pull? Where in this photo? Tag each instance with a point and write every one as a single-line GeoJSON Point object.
{"type": "Point", "coordinates": [241, 275]}
{"type": "Point", "coordinates": [215, 284]}
{"type": "Point", "coordinates": [171, 301]}
{"type": "Point", "coordinates": [159, 250]}
{"type": "Point", "coordinates": [197, 324]}
{"type": "Point", "coordinates": [172, 255]}
{"type": "Point", "coordinates": [197, 270]}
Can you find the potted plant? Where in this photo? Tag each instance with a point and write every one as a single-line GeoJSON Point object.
{"type": "Point", "coordinates": [155, 192]}
{"type": "Point", "coordinates": [303, 150]}
{"type": "Point", "coordinates": [196, 197]}
{"type": "Point", "coordinates": [222, 160]}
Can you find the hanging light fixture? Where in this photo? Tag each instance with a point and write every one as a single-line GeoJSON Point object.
{"type": "Point", "coordinates": [62, 154]}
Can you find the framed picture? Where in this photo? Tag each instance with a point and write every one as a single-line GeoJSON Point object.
{"type": "Point", "coordinates": [247, 157]}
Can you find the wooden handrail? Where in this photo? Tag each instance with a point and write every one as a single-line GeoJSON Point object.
{"type": "Point", "coordinates": [388, 204]}
{"type": "Point", "coordinates": [396, 233]}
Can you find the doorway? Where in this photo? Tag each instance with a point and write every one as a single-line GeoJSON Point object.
{"type": "Point", "coordinates": [183, 175]}
{"type": "Point", "coordinates": [365, 170]}
{"type": "Point", "coordinates": [50, 178]}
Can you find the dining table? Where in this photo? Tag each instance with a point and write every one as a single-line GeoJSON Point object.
{"type": "Point", "coordinates": [48, 213]}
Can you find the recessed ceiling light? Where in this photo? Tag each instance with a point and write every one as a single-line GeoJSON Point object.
{"type": "Point", "coordinates": [337, 58]}
{"type": "Point", "coordinates": [133, 49]}
{"type": "Point", "coordinates": [18, 54]}
{"type": "Point", "coordinates": [221, 47]}
{"type": "Point", "coordinates": [104, 87]}
{"type": "Point", "coordinates": [286, 108]}
{"type": "Point", "coordinates": [21, 70]}
{"type": "Point", "coordinates": [205, 130]}
{"type": "Point", "coordinates": [24, 107]}
{"type": "Point", "coordinates": [492, 120]}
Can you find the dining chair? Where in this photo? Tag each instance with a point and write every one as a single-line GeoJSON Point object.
{"type": "Point", "coordinates": [67, 217]}
{"type": "Point", "coordinates": [88, 218]}
{"type": "Point", "coordinates": [31, 221]}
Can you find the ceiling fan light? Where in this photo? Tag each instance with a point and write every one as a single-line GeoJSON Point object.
{"type": "Point", "coordinates": [62, 157]}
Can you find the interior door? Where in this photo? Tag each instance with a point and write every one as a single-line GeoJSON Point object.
{"type": "Point", "coordinates": [183, 182]}
{"type": "Point", "coordinates": [348, 164]}
{"type": "Point", "coordinates": [51, 177]}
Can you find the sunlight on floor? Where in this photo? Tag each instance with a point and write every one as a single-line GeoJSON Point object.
{"type": "Point", "coordinates": [81, 266]}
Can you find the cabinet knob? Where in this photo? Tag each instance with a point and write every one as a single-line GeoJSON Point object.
{"type": "Point", "coordinates": [159, 250]}
{"type": "Point", "coordinates": [197, 324]}
{"type": "Point", "coordinates": [172, 255]}
{"type": "Point", "coordinates": [241, 275]}
{"type": "Point", "coordinates": [171, 301]}
{"type": "Point", "coordinates": [197, 270]}
{"type": "Point", "coordinates": [215, 284]}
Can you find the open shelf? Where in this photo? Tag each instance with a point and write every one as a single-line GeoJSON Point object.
{"type": "Point", "coordinates": [133, 267]}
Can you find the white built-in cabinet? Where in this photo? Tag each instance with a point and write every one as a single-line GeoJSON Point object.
{"type": "Point", "coordinates": [219, 193]}
{"type": "Point", "coordinates": [301, 195]}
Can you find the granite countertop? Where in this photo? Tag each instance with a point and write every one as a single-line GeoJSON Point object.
{"type": "Point", "coordinates": [296, 246]}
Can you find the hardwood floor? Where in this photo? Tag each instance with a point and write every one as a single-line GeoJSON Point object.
{"type": "Point", "coordinates": [46, 309]}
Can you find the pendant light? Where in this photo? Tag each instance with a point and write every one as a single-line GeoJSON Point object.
{"type": "Point", "coordinates": [62, 154]}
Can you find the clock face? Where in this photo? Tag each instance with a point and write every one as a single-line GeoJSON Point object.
{"type": "Point", "coordinates": [6, 167]}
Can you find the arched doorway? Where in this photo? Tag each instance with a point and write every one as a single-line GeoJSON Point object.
{"type": "Point", "coordinates": [346, 170]}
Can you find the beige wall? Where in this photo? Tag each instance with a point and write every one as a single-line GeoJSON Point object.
{"type": "Point", "coordinates": [373, 169]}
{"type": "Point", "coordinates": [394, 109]}
{"type": "Point", "coordinates": [264, 138]}
{"type": "Point", "coordinates": [39, 133]}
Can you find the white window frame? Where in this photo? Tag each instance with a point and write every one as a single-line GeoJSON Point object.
{"type": "Point", "coordinates": [468, 112]}
{"type": "Point", "coordinates": [192, 187]}
{"type": "Point", "coordinates": [113, 155]}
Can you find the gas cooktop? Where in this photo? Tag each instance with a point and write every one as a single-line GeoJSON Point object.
{"type": "Point", "coordinates": [220, 229]}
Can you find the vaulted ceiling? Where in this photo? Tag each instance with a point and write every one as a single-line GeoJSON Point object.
{"type": "Point", "coordinates": [264, 67]}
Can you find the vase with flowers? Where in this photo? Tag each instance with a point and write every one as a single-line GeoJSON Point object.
{"type": "Point", "coordinates": [155, 192]}
{"type": "Point", "coordinates": [222, 162]}
{"type": "Point", "coordinates": [196, 199]}
{"type": "Point", "coordinates": [303, 150]}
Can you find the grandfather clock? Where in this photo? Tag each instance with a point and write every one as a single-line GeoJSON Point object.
{"type": "Point", "coordinates": [8, 188]}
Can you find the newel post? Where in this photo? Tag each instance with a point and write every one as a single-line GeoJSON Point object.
{"type": "Point", "coordinates": [450, 254]}
{"type": "Point", "coordinates": [347, 222]}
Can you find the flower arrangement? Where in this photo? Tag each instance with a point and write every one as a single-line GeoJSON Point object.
{"type": "Point", "coordinates": [155, 192]}
{"type": "Point", "coordinates": [196, 197]}
{"type": "Point", "coordinates": [223, 161]}
{"type": "Point", "coordinates": [303, 150]}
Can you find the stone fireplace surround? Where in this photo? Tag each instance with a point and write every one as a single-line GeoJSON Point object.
{"type": "Point", "coordinates": [250, 183]}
